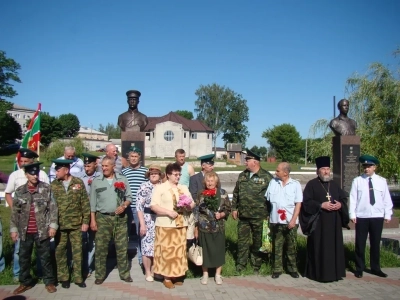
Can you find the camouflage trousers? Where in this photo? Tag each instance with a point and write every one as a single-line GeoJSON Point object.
{"type": "Point", "coordinates": [249, 240]}
{"type": "Point", "coordinates": [282, 235]}
{"type": "Point", "coordinates": [25, 258]}
{"type": "Point", "coordinates": [74, 236]}
{"type": "Point", "coordinates": [108, 228]}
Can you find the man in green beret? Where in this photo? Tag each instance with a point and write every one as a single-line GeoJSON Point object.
{"type": "Point", "coordinates": [250, 208]}
{"type": "Point", "coordinates": [370, 206]}
{"type": "Point", "coordinates": [73, 216]}
{"type": "Point", "coordinates": [34, 221]}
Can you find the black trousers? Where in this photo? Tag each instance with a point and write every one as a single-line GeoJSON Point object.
{"type": "Point", "coordinates": [25, 257]}
{"type": "Point", "coordinates": [373, 227]}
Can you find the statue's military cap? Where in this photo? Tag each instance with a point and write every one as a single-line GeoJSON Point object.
{"type": "Point", "coordinates": [133, 94]}
{"type": "Point", "coordinates": [28, 153]}
{"type": "Point", "coordinates": [32, 168]}
{"type": "Point", "coordinates": [368, 160]}
{"type": "Point", "coordinates": [208, 159]}
{"type": "Point", "coordinates": [89, 158]}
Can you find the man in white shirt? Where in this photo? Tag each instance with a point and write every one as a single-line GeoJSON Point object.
{"type": "Point", "coordinates": [370, 206]}
{"type": "Point", "coordinates": [17, 179]}
{"type": "Point", "coordinates": [76, 167]}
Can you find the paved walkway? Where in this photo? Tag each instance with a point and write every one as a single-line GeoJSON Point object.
{"type": "Point", "coordinates": [240, 288]}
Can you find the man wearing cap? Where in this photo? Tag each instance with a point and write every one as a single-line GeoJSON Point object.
{"type": "Point", "coordinates": [132, 120]}
{"type": "Point", "coordinates": [76, 167]}
{"type": "Point", "coordinates": [73, 217]}
{"type": "Point", "coordinates": [17, 179]}
{"type": "Point", "coordinates": [323, 214]}
{"type": "Point", "coordinates": [370, 206]}
{"type": "Point", "coordinates": [196, 185]}
{"type": "Point", "coordinates": [111, 151]}
{"type": "Point", "coordinates": [90, 164]}
{"type": "Point", "coordinates": [136, 175]}
{"type": "Point", "coordinates": [250, 208]}
{"type": "Point", "coordinates": [285, 196]}
{"type": "Point", "coordinates": [34, 221]}
{"type": "Point", "coordinates": [187, 169]}
{"type": "Point", "coordinates": [110, 195]}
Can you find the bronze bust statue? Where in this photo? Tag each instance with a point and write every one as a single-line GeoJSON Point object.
{"type": "Point", "coordinates": [343, 125]}
{"type": "Point", "coordinates": [132, 120]}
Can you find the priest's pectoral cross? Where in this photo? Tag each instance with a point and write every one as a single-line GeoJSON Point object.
{"type": "Point", "coordinates": [328, 196]}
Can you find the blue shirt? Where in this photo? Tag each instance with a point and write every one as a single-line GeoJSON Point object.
{"type": "Point", "coordinates": [85, 178]}
{"type": "Point", "coordinates": [283, 197]}
{"type": "Point", "coordinates": [185, 177]}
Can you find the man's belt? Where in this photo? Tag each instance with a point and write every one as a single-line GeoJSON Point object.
{"type": "Point", "coordinates": [108, 214]}
{"type": "Point", "coordinates": [147, 210]}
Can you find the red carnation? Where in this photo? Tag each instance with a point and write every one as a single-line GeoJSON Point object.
{"type": "Point", "coordinates": [119, 185]}
{"type": "Point", "coordinates": [90, 181]}
{"type": "Point", "coordinates": [282, 214]}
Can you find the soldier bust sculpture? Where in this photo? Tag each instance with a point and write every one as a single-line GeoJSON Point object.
{"type": "Point", "coordinates": [132, 120]}
{"type": "Point", "coordinates": [343, 125]}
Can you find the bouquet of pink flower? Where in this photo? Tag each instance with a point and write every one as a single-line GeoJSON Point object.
{"type": "Point", "coordinates": [184, 201]}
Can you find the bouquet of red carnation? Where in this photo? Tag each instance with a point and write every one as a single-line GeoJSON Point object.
{"type": "Point", "coordinates": [119, 185]}
{"type": "Point", "coordinates": [210, 199]}
{"type": "Point", "coordinates": [120, 189]}
{"type": "Point", "coordinates": [90, 181]}
{"type": "Point", "coordinates": [282, 214]}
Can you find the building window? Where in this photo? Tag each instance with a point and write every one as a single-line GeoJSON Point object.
{"type": "Point", "coordinates": [231, 155]}
{"type": "Point", "coordinates": [17, 116]}
{"type": "Point", "coordinates": [148, 136]}
{"type": "Point", "coordinates": [184, 135]}
{"type": "Point", "coordinates": [153, 134]}
{"type": "Point", "coordinates": [208, 136]}
{"type": "Point", "coordinates": [168, 135]}
{"type": "Point", "coordinates": [194, 135]}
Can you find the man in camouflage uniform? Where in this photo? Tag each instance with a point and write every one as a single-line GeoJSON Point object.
{"type": "Point", "coordinates": [73, 216]}
{"type": "Point", "coordinates": [34, 220]}
{"type": "Point", "coordinates": [250, 207]}
{"type": "Point", "coordinates": [110, 195]}
{"type": "Point", "coordinates": [285, 196]}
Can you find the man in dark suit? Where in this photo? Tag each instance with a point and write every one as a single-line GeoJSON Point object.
{"type": "Point", "coordinates": [196, 181]}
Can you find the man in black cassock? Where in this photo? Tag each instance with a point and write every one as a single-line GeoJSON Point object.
{"type": "Point", "coordinates": [323, 214]}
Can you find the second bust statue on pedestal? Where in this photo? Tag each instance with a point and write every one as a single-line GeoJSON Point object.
{"type": "Point", "coordinates": [343, 125]}
{"type": "Point", "coordinates": [132, 120]}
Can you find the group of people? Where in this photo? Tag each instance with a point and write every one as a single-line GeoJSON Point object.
{"type": "Point", "coordinates": [96, 200]}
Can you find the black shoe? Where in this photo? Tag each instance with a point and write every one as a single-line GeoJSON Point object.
{"type": "Point", "coordinates": [379, 273]}
{"type": "Point", "coordinates": [276, 275]}
{"type": "Point", "coordinates": [358, 274]}
{"type": "Point", "coordinates": [65, 284]}
{"type": "Point", "coordinates": [128, 279]}
{"type": "Point", "coordinates": [81, 284]}
{"type": "Point", "coordinates": [294, 274]}
{"type": "Point", "coordinates": [98, 281]}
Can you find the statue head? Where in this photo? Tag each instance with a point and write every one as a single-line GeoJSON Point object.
{"type": "Point", "coordinates": [343, 106]}
{"type": "Point", "coordinates": [133, 98]}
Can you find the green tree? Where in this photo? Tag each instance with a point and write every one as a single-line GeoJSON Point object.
{"type": "Point", "coordinates": [57, 148]}
{"type": "Point", "coordinates": [70, 125]}
{"type": "Point", "coordinates": [10, 130]}
{"type": "Point", "coordinates": [8, 72]}
{"type": "Point", "coordinates": [285, 139]}
{"type": "Point", "coordinates": [223, 110]}
{"type": "Point", "coordinates": [185, 113]}
{"type": "Point", "coordinates": [262, 151]}
{"type": "Point", "coordinates": [113, 131]}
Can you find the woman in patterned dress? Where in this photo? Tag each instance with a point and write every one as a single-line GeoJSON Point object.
{"type": "Point", "coordinates": [147, 218]}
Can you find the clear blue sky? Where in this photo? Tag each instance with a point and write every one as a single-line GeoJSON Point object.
{"type": "Point", "coordinates": [287, 58]}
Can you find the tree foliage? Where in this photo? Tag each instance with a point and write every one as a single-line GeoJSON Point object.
{"type": "Point", "coordinates": [57, 148]}
{"type": "Point", "coordinates": [223, 110]}
{"type": "Point", "coordinates": [8, 73]}
{"type": "Point", "coordinates": [286, 141]}
{"type": "Point", "coordinates": [185, 113]}
{"type": "Point", "coordinates": [262, 151]}
{"type": "Point", "coordinates": [70, 125]}
{"type": "Point", "coordinates": [10, 130]}
{"type": "Point", "coordinates": [113, 131]}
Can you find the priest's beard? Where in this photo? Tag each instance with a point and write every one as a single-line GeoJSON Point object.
{"type": "Point", "coordinates": [324, 178]}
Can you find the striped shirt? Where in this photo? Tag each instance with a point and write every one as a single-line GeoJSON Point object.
{"type": "Point", "coordinates": [135, 178]}
{"type": "Point", "coordinates": [32, 226]}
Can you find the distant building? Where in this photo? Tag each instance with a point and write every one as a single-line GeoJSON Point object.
{"type": "Point", "coordinates": [170, 132]}
{"type": "Point", "coordinates": [220, 153]}
{"type": "Point", "coordinates": [21, 115]}
{"type": "Point", "coordinates": [234, 153]}
{"type": "Point", "coordinates": [87, 133]}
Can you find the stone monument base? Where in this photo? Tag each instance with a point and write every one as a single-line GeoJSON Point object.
{"type": "Point", "coordinates": [132, 138]}
{"type": "Point", "coordinates": [346, 167]}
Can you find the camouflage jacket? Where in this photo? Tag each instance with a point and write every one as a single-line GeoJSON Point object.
{"type": "Point", "coordinates": [46, 211]}
{"type": "Point", "coordinates": [205, 218]}
{"type": "Point", "coordinates": [73, 204]}
{"type": "Point", "coordinates": [248, 195]}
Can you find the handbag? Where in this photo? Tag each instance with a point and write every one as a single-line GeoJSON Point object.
{"type": "Point", "coordinates": [195, 254]}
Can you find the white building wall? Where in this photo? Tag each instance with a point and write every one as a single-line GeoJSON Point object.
{"type": "Point", "coordinates": [201, 145]}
